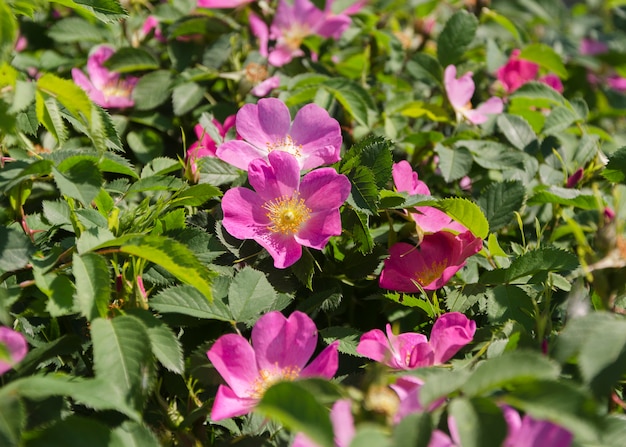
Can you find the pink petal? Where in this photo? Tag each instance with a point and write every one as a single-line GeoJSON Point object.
{"type": "Point", "coordinates": [318, 134]}
{"type": "Point", "coordinates": [217, 4]}
{"type": "Point", "coordinates": [264, 123]}
{"type": "Point", "coordinates": [374, 345]}
{"type": "Point", "coordinates": [301, 440]}
{"type": "Point", "coordinates": [285, 250]}
{"type": "Point", "coordinates": [407, 388]}
{"type": "Point", "coordinates": [324, 189]}
{"type": "Point", "coordinates": [553, 81]}
{"type": "Point", "coordinates": [460, 91]}
{"type": "Point", "coordinates": [235, 360]}
{"type": "Point", "coordinates": [450, 333]}
{"type": "Point", "coordinates": [320, 227]}
{"type": "Point", "coordinates": [15, 346]}
{"type": "Point", "coordinates": [99, 75]}
{"type": "Point", "coordinates": [282, 54]}
{"type": "Point", "coordinates": [228, 405]}
{"type": "Point", "coordinates": [83, 82]}
{"type": "Point", "coordinates": [260, 30]}
{"type": "Point", "coordinates": [244, 215]}
{"type": "Point", "coordinates": [431, 220]}
{"type": "Point", "coordinates": [343, 422]}
{"type": "Point", "coordinates": [239, 153]}
{"type": "Point", "coordinates": [281, 342]}
{"type": "Point", "coordinates": [325, 364]}
{"type": "Point", "coordinates": [493, 105]}
{"type": "Point", "coordinates": [334, 26]}
{"type": "Point", "coordinates": [397, 273]}
{"type": "Point", "coordinates": [406, 180]}
{"type": "Point", "coordinates": [279, 176]}
{"type": "Point", "coordinates": [266, 86]}
{"type": "Point", "coordinates": [440, 439]}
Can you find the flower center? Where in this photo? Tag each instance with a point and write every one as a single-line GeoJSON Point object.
{"type": "Point", "coordinates": [287, 214]}
{"type": "Point", "coordinates": [294, 36]}
{"type": "Point", "coordinates": [285, 144]}
{"type": "Point", "coordinates": [428, 275]}
{"type": "Point", "coordinates": [256, 73]}
{"type": "Point", "coordinates": [268, 378]}
{"type": "Point", "coordinates": [117, 89]}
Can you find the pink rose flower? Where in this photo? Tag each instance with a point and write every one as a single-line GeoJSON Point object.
{"type": "Point", "coordinates": [427, 218]}
{"type": "Point", "coordinates": [292, 24]}
{"type": "Point", "coordinates": [592, 47]}
{"type": "Point", "coordinates": [205, 146]}
{"type": "Point", "coordinates": [264, 87]}
{"type": "Point", "coordinates": [286, 213]}
{"type": "Point", "coordinates": [460, 92]}
{"type": "Point", "coordinates": [152, 23]}
{"type": "Point", "coordinates": [281, 348]}
{"type": "Point", "coordinates": [343, 426]}
{"type": "Point", "coordinates": [431, 264]}
{"type": "Point", "coordinates": [219, 4]}
{"type": "Point", "coordinates": [517, 72]}
{"type": "Point", "coordinates": [411, 350]}
{"type": "Point", "coordinates": [106, 88]}
{"type": "Point", "coordinates": [13, 348]}
{"type": "Point", "coordinates": [314, 138]}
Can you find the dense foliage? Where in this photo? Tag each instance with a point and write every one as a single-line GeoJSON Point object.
{"type": "Point", "coordinates": [414, 211]}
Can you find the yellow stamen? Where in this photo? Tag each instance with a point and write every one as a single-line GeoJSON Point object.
{"type": "Point", "coordinates": [287, 214]}
{"type": "Point", "coordinates": [269, 378]}
{"type": "Point", "coordinates": [294, 36]}
{"type": "Point", "coordinates": [286, 144]}
{"type": "Point", "coordinates": [427, 276]}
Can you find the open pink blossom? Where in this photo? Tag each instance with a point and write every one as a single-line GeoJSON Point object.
{"type": "Point", "coordinates": [427, 218]}
{"type": "Point", "coordinates": [460, 92]}
{"type": "Point", "coordinates": [530, 432]}
{"type": "Point", "coordinates": [293, 22]}
{"type": "Point", "coordinates": [343, 426]}
{"type": "Point", "coordinates": [280, 350]}
{"type": "Point", "coordinates": [206, 146]}
{"type": "Point", "coordinates": [105, 88]}
{"type": "Point", "coordinates": [411, 350]}
{"type": "Point", "coordinates": [286, 212]}
{"type": "Point", "coordinates": [429, 265]}
{"type": "Point", "coordinates": [517, 72]}
{"type": "Point", "coordinates": [314, 138]}
{"type": "Point", "coordinates": [13, 348]}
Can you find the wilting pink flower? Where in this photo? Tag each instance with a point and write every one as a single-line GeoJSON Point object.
{"type": "Point", "coordinates": [218, 4]}
{"type": "Point", "coordinates": [343, 426]}
{"type": "Point", "coordinates": [281, 348]}
{"type": "Point", "coordinates": [292, 24]}
{"type": "Point", "coordinates": [105, 88]}
{"type": "Point", "coordinates": [13, 348]}
{"type": "Point", "coordinates": [411, 350]}
{"type": "Point", "coordinates": [517, 72]}
{"type": "Point", "coordinates": [206, 146]}
{"type": "Point", "coordinates": [314, 138]}
{"type": "Point", "coordinates": [429, 265]}
{"type": "Point", "coordinates": [427, 218]}
{"type": "Point", "coordinates": [460, 92]}
{"type": "Point", "coordinates": [285, 212]}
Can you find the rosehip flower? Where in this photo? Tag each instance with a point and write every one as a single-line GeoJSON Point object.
{"type": "Point", "coordinates": [205, 146]}
{"type": "Point", "coordinates": [516, 72]}
{"type": "Point", "coordinates": [429, 265]}
{"type": "Point", "coordinates": [553, 81]}
{"type": "Point", "coordinates": [285, 212]}
{"type": "Point", "coordinates": [411, 350]}
{"type": "Point", "coordinates": [106, 88]}
{"type": "Point", "coordinates": [13, 348]}
{"type": "Point", "coordinates": [281, 348]}
{"type": "Point", "coordinates": [343, 426]}
{"type": "Point", "coordinates": [292, 24]}
{"type": "Point", "coordinates": [460, 92]}
{"type": "Point", "coordinates": [314, 138]}
{"type": "Point", "coordinates": [427, 218]}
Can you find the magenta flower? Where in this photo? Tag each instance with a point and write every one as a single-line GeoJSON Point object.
{"type": "Point", "coordinates": [105, 88]}
{"type": "Point", "coordinates": [592, 47]}
{"type": "Point", "coordinates": [460, 92]}
{"type": "Point", "coordinates": [219, 4]}
{"type": "Point", "coordinates": [13, 348]}
{"type": "Point", "coordinates": [292, 24]}
{"type": "Point", "coordinates": [430, 265]}
{"type": "Point", "coordinates": [517, 72]}
{"type": "Point", "coordinates": [427, 218]}
{"type": "Point", "coordinates": [152, 24]}
{"type": "Point", "coordinates": [280, 350]}
{"type": "Point", "coordinates": [314, 138]}
{"type": "Point", "coordinates": [285, 212]}
{"type": "Point", "coordinates": [529, 432]}
{"type": "Point", "coordinates": [205, 146]}
{"type": "Point", "coordinates": [264, 87]}
{"type": "Point", "coordinates": [553, 81]}
{"type": "Point", "coordinates": [410, 350]}
{"type": "Point", "coordinates": [343, 426]}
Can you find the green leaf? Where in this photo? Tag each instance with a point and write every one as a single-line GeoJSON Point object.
{"type": "Point", "coordinates": [370, 435]}
{"type": "Point", "coordinates": [364, 193]}
{"type": "Point", "coordinates": [466, 213]}
{"type": "Point", "coordinates": [564, 196]}
{"type": "Point", "coordinates": [165, 346]}
{"type": "Point", "coordinates": [121, 358]}
{"type": "Point", "coordinates": [412, 301]}
{"type": "Point", "coordinates": [456, 36]}
{"type": "Point", "coordinates": [546, 57]}
{"type": "Point", "coordinates": [479, 422]}
{"type": "Point", "coordinates": [49, 114]}
{"type": "Point", "coordinates": [615, 169]}
{"type": "Point", "coordinates": [188, 300]}
{"type": "Point", "coordinates": [217, 172]}
{"type": "Point", "coordinates": [146, 144]}
{"type": "Point", "coordinates": [348, 338]}
{"type": "Point", "coordinates": [422, 66]}
{"type": "Point", "coordinates": [500, 201]}
{"type": "Point", "coordinates": [186, 96]}
{"type": "Point", "coordinates": [93, 284]}
{"type": "Point", "coordinates": [128, 59]}
{"type": "Point", "coordinates": [517, 130]}
{"type": "Point", "coordinates": [73, 431]}
{"type": "Point", "coordinates": [70, 95]}
{"type": "Point", "coordinates": [413, 430]}
{"type": "Point", "coordinates": [173, 256]}
{"type": "Point", "coordinates": [559, 119]}
{"type": "Point", "coordinates": [156, 183]}
{"type": "Point", "coordinates": [8, 31]}
{"type": "Point", "coordinates": [504, 22]}
{"type": "Point", "coordinates": [15, 249]}
{"type": "Point", "coordinates": [250, 294]}
{"type": "Point", "coordinates": [75, 29]}
{"type": "Point", "coordinates": [354, 98]}
{"type": "Point", "coordinates": [196, 195]}
{"type": "Point", "coordinates": [152, 90]}
{"type": "Point", "coordinates": [510, 369]}
{"type": "Point", "coordinates": [12, 419]}
{"type": "Point", "coordinates": [538, 91]}
{"type": "Point", "coordinates": [358, 223]}
{"type": "Point", "coordinates": [108, 11]}
{"type": "Point", "coordinates": [454, 163]}
{"type": "Point", "coordinates": [547, 259]}
{"type": "Point", "coordinates": [133, 434]}
{"type": "Point", "coordinates": [299, 411]}
{"type": "Point", "coordinates": [81, 181]}
{"type": "Point", "coordinates": [508, 302]}
{"type": "Point", "coordinates": [441, 383]}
